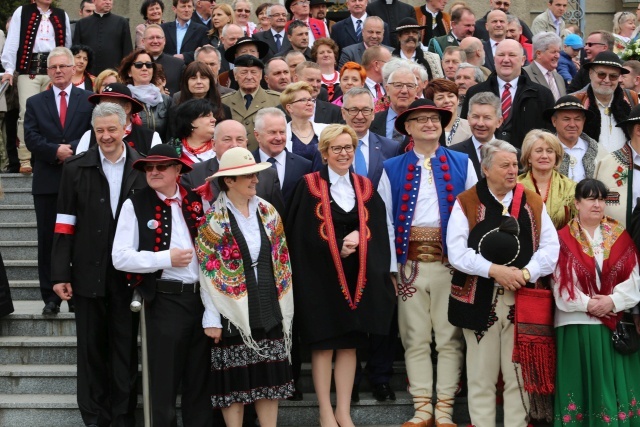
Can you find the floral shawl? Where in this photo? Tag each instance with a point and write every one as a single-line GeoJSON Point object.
{"type": "Point", "coordinates": [222, 270]}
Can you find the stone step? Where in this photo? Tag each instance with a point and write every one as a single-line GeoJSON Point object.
{"type": "Point", "coordinates": [25, 290]}
{"type": "Point", "coordinates": [15, 180]}
{"type": "Point", "coordinates": [17, 213]}
{"type": "Point", "coordinates": [27, 321]}
{"type": "Point", "coordinates": [21, 269]}
{"type": "Point", "coordinates": [38, 379]}
{"type": "Point", "coordinates": [12, 231]}
{"type": "Point", "coordinates": [19, 250]}
{"type": "Point", "coordinates": [21, 350]}
{"type": "Point", "coordinates": [17, 196]}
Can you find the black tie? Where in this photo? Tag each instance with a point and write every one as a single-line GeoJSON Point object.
{"type": "Point", "coordinates": [272, 161]}
{"type": "Point", "coordinates": [248, 98]}
{"type": "Point", "coordinates": [278, 42]}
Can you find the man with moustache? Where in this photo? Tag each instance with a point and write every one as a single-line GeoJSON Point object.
{"type": "Point", "coordinates": [408, 35]}
{"type": "Point", "coordinates": [523, 101]}
{"type": "Point", "coordinates": [474, 51]}
{"type": "Point", "coordinates": [319, 11]}
{"type": "Point", "coordinates": [467, 76]}
{"type": "Point", "coordinates": [93, 187]}
{"type": "Point", "coordinates": [436, 21]}
{"type": "Point", "coordinates": [497, 29]}
{"type": "Point", "coordinates": [276, 36]}
{"type": "Point", "coordinates": [372, 35]}
{"type": "Point", "coordinates": [391, 12]}
{"type": "Point", "coordinates": [503, 5]}
{"type": "Point", "coordinates": [596, 42]}
{"type": "Point", "coordinates": [462, 26]}
{"type": "Point", "coordinates": [277, 74]}
{"type": "Point", "coordinates": [154, 42]}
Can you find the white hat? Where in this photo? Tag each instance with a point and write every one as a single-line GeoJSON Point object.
{"type": "Point", "coordinates": [238, 161]}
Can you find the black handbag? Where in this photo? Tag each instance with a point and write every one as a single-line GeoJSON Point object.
{"type": "Point", "coordinates": [625, 338]}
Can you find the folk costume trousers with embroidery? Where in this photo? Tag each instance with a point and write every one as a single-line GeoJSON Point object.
{"type": "Point", "coordinates": [422, 308]}
{"type": "Point", "coordinates": [485, 359]}
{"type": "Point", "coordinates": [27, 87]}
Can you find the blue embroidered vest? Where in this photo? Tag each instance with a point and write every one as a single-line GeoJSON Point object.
{"type": "Point", "coordinates": [449, 170]}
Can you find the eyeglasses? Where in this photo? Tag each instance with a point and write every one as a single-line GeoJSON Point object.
{"type": "Point", "coordinates": [338, 149]}
{"type": "Point", "coordinates": [139, 65]}
{"type": "Point", "coordinates": [612, 76]}
{"type": "Point", "coordinates": [58, 67]}
{"type": "Point", "coordinates": [149, 167]}
{"type": "Point", "coordinates": [278, 15]}
{"type": "Point", "coordinates": [353, 112]}
{"type": "Point", "coordinates": [244, 10]}
{"type": "Point", "coordinates": [399, 86]}
{"type": "Point", "coordinates": [305, 100]}
{"type": "Point", "coordinates": [424, 119]}
{"type": "Point", "coordinates": [590, 44]}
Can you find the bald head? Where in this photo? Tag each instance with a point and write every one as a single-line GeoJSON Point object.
{"type": "Point", "coordinates": [497, 24]}
{"type": "Point", "coordinates": [509, 60]}
{"type": "Point", "coordinates": [229, 134]}
{"type": "Point", "coordinates": [472, 47]}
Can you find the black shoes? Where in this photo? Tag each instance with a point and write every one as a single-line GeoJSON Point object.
{"type": "Point", "coordinates": [297, 394]}
{"type": "Point", "coordinates": [50, 309]}
{"type": "Point", "coordinates": [383, 392]}
{"type": "Point", "coordinates": [355, 394]}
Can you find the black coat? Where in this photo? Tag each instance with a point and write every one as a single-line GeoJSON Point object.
{"type": "Point", "coordinates": [526, 111]}
{"type": "Point", "coordinates": [267, 37]}
{"type": "Point", "coordinates": [469, 149]}
{"type": "Point", "coordinates": [391, 14]}
{"type": "Point", "coordinates": [482, 33]}
{"type": "Point", "coordinates": [6, 304]}
{"type": "Point", "coordinates": [295, 167]}
{"type": "Point", "coordinates": [195, 37]}
{"type": "Point", "coordinates": [173, 68]}
{"type": "Point", "coordinates": [82, 256]}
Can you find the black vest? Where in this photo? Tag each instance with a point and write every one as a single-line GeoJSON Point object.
{"type": "Point", "coordinates": [155, 237]}
{"type": "Point", "coordinates": [29, 24]}
{"type": "Point", "coordinates": [140, 139]}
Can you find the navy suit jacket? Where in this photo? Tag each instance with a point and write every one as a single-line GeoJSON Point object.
{"type": "Point", "coordinates": [44, 134]}
{"type": "Point", "coordinates": [468, 148]}
{"type": "Point", "coordinates": [379, 126]}
{"type": "Point", "coordinates": [344, 33]}
{"type": "Point", "coordinates": [267, 37]}
{"type": "Point", "coordinates": [489, 62]}
{"type": "Point", "coordinates": [294, 168]}
{"type": "Point", "coordinates": [327, 112]}
{"type": "Point", "coordinates": [195, 37]}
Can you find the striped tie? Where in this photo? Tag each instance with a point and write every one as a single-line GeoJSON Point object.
{"type": "Point", "coordinates": [359, 30]}
{"type": "Point", "coordinates": [506, 102]}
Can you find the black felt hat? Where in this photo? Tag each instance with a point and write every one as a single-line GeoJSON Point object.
{"type": "Point", "coordinates": [320, 2]}
{"type": "Point", "coordinates": [408, 24]}
{"type": "Point", "coordinates": [248, 61]}
{"type": "Point", "coordinates": [230, 54]}
{"type": "Point", "coordinates": [422, 104]}
{"type": "Point", "coordinates": [570, 103]}
{"type": "Point", "coordinates": [162, 153]}
{"type": "Point", "coordinates": [501, 245]}
{"type": "Point", "coordinates": [118, 91]}
{"type": "Point", "coordinates": [607, 59]}
{"type": "Point", "coordinates": [633, 119]}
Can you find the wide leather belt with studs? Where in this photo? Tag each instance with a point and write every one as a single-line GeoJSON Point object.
{"type": "Point", "coordinates": [425, 244]}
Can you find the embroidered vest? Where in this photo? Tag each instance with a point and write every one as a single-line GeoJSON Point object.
{"type": "Point", "coordinates": [154, 230]}
{"type": "Point", "coordinates": [450, 175]}
{"type": "Point", "coordinates": [29, 24]}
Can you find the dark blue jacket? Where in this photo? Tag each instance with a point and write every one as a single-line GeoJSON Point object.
{"type": "Point", "coordinates": [566, 68]}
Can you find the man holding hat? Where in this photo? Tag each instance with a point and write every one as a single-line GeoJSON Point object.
{"type": "Point", "coordinates": [419, 189]}
{"type": "Point", "coordinates": [250, 97]}
{"type": "Point", "coordinates": [409, 39]}
{"type": "Point", "coordinates": [299, 10]}
{"type": "Point", "coordinates": [54, 122]}
{"type": "Point", "coordinates": [581, 153]}
{"type": "Point", "coordinates": [154, 245]}
{"type": "Point", "coordinates": [93, 187]}
{"type": "Point", "coordinates": [141, 138]}
{"type": "Point", "coordinates": [607, 100]}
{"type": "Point", "coordinates": [569, 57]}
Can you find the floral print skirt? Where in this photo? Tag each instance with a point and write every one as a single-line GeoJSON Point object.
{"type": "Point", "coordinates": [595, 385]}
{"type": "Point", "coordinates": [240, 375]}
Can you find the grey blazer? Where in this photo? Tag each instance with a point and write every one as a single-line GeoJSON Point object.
{"type": "Point", "coordinates": [535, 74]}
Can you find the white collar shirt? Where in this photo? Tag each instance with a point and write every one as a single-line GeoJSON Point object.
{"type": "Point", "coordinates": [576, 153]}
{"type": "Point", "coordinates": [342, 190]}
{"type": "Point", "coordinates": [114, 171]}
{"type": "Point", "coordinates": [281, 162]}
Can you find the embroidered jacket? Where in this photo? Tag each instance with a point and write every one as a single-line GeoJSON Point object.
{"type": "Point", "coordinates": [615, 170]}
{"type": "Point", "coordinates": [29, 24]}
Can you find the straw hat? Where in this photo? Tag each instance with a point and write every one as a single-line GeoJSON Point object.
{"type": "Point", "coordinates": [238, 161]}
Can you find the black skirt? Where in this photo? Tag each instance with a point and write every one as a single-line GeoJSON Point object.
{"type": "Point", "coordinates": [353, 339]}
{"type": "Point", "coordinates": [240, 375]}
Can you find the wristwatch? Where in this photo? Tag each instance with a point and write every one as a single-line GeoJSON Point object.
{"type": "Point", "coordinates": [526, 275]}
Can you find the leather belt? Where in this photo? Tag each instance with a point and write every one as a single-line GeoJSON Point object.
{"type": "Point", "coordinates": [176, 287]}
{"type": "Point", "coordinates": [425, 244]}
{"type": "Point", "coordinates": [39, 63]}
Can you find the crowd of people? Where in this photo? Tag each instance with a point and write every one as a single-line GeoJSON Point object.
{"type": "Point", "coordinates": [278, 184]}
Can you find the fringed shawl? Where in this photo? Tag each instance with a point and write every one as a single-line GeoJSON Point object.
{"type": "Point", "coordinates": [222, 270]}
{"type": "Point", "coordinates": [559, 203]}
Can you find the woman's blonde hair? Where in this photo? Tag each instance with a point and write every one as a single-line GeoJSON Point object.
{"type": "Point", "coordinates": [288, 94]}
{"type": "Point", "coordinates": [109, 72]}
{"type": "Point", "coordinates": [621, 17]}
{"type": "Point", "coordinates": [330, 133]}
{"type": "Point", "coordinates": [534, 136]}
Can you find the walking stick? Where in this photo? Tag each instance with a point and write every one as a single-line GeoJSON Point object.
{"type": "Point", "coordinates": [137, 305]}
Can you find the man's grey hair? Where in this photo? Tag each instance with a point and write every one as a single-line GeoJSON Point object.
{"type": "Point", "coordinates": [372, 19]}
{"type": "Point", "coordinates": [487, 98]}
{"type": "Point", "coordinates": [235, 3]}
{"type": "Point", "coordinates": [356, 91]}
{"type": "Point", "coordinates": [511, 19]}
{"type": "Point", "coordinates": [291, 54]}
{"type": "Point", "coordinates": [400, 70]}
{"type": "Point", "coordinates": [478, 75]}
{"type": "Point", "coordinates": [106, 109]}
{"type": "Point", "coordinates": [226, 28]}
{"type": "Point", "coordinates": [424, 75]}
{"type": "Point", "coordinates": [207, 48]}
{"type": "Point", "coordinates": [265, 113]}
{"type": "Point", "coordinates": [61, 51]}
{"type": "Point", "coordinates": [270, 8]}
{"type": "Point", "coordinates": [392, 65]}
{"type": "Point", "coordinates": [543, 41]}
{"type": "Point", "coordinates": [490, 148]}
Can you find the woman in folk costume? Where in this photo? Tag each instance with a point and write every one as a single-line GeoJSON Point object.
{"type": "Point", "coordinates": [245, 270]}
{"type": "Point", "coordinates": [540, 158]}
{"type": "Point", "coordinates": [595, 281]}
{"type": "Point", "coordinates": [341, 239]}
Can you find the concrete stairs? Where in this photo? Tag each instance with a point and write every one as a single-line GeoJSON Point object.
{"type": "Point", "coordinates": [38, 353]}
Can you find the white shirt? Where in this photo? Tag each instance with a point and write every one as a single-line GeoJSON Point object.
{"type": "Point", "coordinates": [494, 45]}
{"type": "Point", "coordinates": [371, 85]}
{"type": "Point", "coordinates": [635, 191]}
{"type": "Point", "coordinates": [282, 35]}
{"type": "Point", "coordinates": [465, 259]}
{"type": "Point", "coordinates": [40, 45]}
{"type": "Point", "coordinates": [611, 137]}
{"type": "Point", "coordinates": [427, 210]}
{"type": "Point", "coordinates": [114, 171]}
{"type": "Point", "coordinates": [344, 195]}
{"type": "Point", "coordinates": [355, 23]}
{"type": "Point", "coordinates": [512, 90]}
{"type": "Point", "coordinates": [281, 161]}
{"type": "Point", "coordinates": [83, 145]}
{"type": "Point", "coordinates": [403, 56]}
{"type": "Point", "coordinates": [576, 153]}
{"type": "Point", "coordinates": [56, 93]}
{"type": "Point", "coordinates": [574, 311]}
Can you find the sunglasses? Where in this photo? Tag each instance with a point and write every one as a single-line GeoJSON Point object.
{"type": "Point", "coordinates": [602, 75]}
{"type": "Point", "coordinates": [149, 167]}
{"type": "Point", "coordinates": [590, 44]}
{"type": "Point", "coordinates": [139, 65]}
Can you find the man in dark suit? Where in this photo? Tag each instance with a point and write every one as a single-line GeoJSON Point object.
{"type": "Point", "coordinates": [229, 134]}
{"type": "Point", "coordinates": [481, 30]}
{"type": "Point", "coordinates": [497, 29]}
{"type": "Point", "coordinates": [402, 88]}
{"type": "Point", "coordinates": [391, 13]}
{"type": "Point", "coordinates": [93, 187]}
{"type": "Point", "coordinates": [184, 36]}
{"type": "Point", "coordinates": [372, 35]}
{"type": "Point", "coordinates": [55, 120]}
{"type": "Point", "coordinates": [485, 117]}
{"type": "Point", "coordinates": [527, 100]}
{"type": "Point", "coordinates": [202, 13]}
{"type": "Point", "coordinates": [326, 112]}
{"type": "Point", "coordinates": [154, 42]}
{"type": "Point", "coordinates": [278, 18]}
{"type": "Point", "coordinates": [349, 30]}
